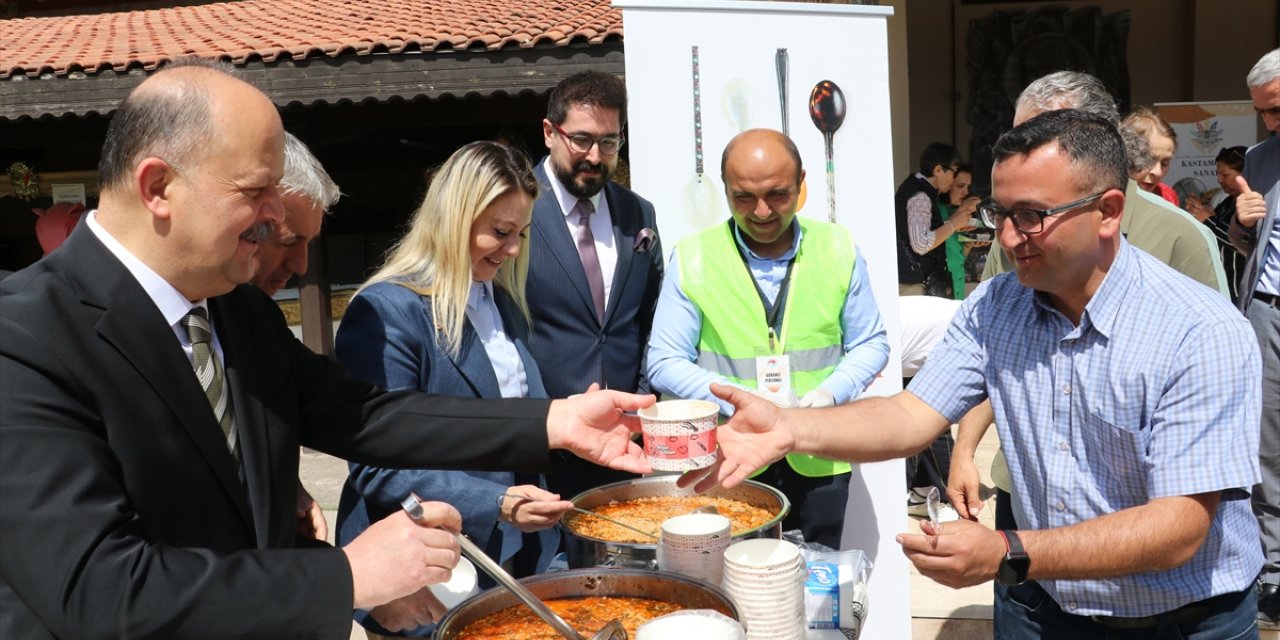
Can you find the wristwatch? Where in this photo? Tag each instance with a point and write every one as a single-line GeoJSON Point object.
{"type": "Point", "coordinates": [1014, 565]}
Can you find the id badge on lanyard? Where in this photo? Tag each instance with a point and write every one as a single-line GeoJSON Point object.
{"type": "Point", "coordinates": [773, 375]}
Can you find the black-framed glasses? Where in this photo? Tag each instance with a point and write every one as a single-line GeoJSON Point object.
{"type": "Point", "coordinates": [582, 143]}
{"type": "Point", "coordinates": [1028, 221]}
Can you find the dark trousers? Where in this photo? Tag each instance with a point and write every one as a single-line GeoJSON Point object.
{"type": "Point", "coordinates": [1029, 613]}
{"type": "Point", "coordinates": [817, 504]}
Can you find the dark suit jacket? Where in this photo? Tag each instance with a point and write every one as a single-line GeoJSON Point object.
{"type": "Point", "coordinates": [572, 347]}
{"type": "Point", "coordinates": [388, 338]}
{"type": "Point", "coordinates": [568, 341]}
{"type": "Point", "coordinates": [1262, 171]}
{"type": "Point", "coordinates": [122, 512]}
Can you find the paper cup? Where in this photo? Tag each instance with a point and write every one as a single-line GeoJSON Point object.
{"type": "Point", "coordinates": [461, 585]}
{"type": "Point", "coordinates": [693, 545]}
{"type": "Point", "coordinates": [764, 554]}
{"type": "Point", "coordinates": [680, 435]}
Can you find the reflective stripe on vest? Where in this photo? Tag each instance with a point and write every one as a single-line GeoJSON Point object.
{"type": "Point", "coordinates": [733, 319]}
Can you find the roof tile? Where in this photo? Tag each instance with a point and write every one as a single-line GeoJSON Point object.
{"type": "Point", "coordinates": [267, 29]}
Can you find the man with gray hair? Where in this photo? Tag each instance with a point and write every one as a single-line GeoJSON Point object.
{"type": "Point", "coordinates": [307, 192]}
{"type": "Point", "coordinates": [1256, 234]}
{"type": "Point", "coordinates": [1179, 240]}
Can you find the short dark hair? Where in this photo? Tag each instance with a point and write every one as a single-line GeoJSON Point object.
{"type": "Point", "coordinates": [595, 88]}
{"type": "Point", "coordinates": [938, 153]}
{"type": "Point", "coordinates": [172, 123]}
{"type": "Point", "coordinates": [1091, 142]}
{"type": "Point", "coordinates": [1232, 157]}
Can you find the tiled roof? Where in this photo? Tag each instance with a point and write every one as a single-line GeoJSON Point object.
{"type": "Point", "coordinates": [268, 29]}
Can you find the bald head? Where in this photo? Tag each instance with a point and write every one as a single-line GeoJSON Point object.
{"type": "Point", "coordinates": [175, 115]}
{"type": "Point", "coordinates": [760, 143]}
{"type": "Point", "coordinates": [190, 173]}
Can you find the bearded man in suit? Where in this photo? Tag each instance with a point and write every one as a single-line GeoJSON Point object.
{"type": "Point", "coordinates": [595, 262]}
{"type": "Point", "coordinates": [151, 409]}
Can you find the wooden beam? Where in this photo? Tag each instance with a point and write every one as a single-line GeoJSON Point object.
{"type": "Point", "coordinates": [380, 77]}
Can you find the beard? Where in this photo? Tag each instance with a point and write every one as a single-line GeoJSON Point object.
{"type": "Point", "coordinates": [589, 186]}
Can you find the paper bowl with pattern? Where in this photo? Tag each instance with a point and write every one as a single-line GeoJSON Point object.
{"type": "Point", "coordinates": [680, 435]}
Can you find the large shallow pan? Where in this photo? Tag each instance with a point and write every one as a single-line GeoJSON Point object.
{"type": "Point", "coordinates": [668, 587]}
{"type": "Point", "coordinates": [586, 551]}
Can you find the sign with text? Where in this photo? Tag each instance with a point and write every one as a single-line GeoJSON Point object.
{"type": "Point", "coordinates": [1203, 129]}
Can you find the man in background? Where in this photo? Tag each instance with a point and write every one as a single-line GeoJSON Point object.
{"type": "Point", "coordinates": [595, 261]}
{"type": "Point", "coordinates": [306, 192]}
{"type": "Point", "coordinates": [1255, 232]}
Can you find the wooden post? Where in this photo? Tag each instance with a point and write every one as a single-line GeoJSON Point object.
{"type": "Point", "coordinates": [313, 301]}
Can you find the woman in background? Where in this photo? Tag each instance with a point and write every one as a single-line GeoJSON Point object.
{"type": "Point", "coordinates": [1230, 162]}
{"type": "Point", "coordinates": [446, 315]}
{"type": "Point", "coordinates": [1162, 142]}
{"type": "Point", "coordinates": [956, 199]}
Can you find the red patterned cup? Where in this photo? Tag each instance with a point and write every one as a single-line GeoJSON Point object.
{"type": "Point", "coordinates": [680, 435]}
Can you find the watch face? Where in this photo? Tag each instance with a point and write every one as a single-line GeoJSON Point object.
{"type": "Point", "coordinates": [1013, 570]}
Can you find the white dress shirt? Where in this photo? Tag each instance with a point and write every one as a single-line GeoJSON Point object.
{"type": "Point", "coordinates": [482, 313]}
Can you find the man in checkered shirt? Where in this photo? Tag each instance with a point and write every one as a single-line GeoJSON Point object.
{"type": "Point", "coordinates": [1127, 398]}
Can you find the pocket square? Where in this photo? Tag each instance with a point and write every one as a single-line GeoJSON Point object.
{"type": "Point", "coordinates": [645, 240]}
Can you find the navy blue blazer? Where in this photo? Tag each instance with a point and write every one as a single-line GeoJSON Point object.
{"type": "Point", "coordinates": [387, 337]}
{"type": "Point", "coordinates": [567, 339]}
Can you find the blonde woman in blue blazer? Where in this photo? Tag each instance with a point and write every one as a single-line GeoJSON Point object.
{"type": "Point", "coordinates": [447, 315]}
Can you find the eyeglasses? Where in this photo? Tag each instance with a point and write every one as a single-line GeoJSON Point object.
{"type": "Point", "coordinates": [1274, 112]}
{"type": "Point", "coordinates": [1028, 221]}
{"type": "Point", "coordinates": [582, 143]}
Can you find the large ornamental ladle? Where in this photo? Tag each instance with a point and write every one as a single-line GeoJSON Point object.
{"type": "Point", "coordinates": [827, 108]}
{"type": "Point", "coordinates": [412, 505]}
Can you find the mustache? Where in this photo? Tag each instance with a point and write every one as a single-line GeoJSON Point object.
{"type": "Point", "coordinates": [590, 166]}
{"type": "Point", "coordinates": [258, 232]}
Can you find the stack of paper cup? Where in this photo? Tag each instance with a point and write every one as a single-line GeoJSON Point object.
{"type": "Point", "coordinates": [693, 545]}
{"type": "Point", "coordinates": [765, 578]}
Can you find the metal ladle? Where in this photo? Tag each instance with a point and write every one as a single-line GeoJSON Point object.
{"type": "Point", "coordinates": [611, 631]}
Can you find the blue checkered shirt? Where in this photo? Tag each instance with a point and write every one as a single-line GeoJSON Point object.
{"type": "Point", "coordinates": [1157, 393]}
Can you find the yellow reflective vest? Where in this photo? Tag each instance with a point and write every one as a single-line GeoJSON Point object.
{"type": "Point", "coordinates": [734, 326]}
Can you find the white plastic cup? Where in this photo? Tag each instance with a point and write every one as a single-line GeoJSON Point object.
{"type": "Point", "coordinates": [680, 435]}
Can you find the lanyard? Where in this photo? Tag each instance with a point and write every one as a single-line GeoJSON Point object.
{"type": "Point", "coordinates": [772, 312]}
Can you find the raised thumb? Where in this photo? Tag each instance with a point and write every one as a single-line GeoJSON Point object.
{"type": "Point", "coordinates": [1243, 184]}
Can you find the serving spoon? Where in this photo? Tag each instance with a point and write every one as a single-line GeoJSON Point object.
{"type": "Point", "coordinates": [611, 631]}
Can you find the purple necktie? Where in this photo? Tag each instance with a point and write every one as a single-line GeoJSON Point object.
{"type": "Point", "coordinates": [587, 253]}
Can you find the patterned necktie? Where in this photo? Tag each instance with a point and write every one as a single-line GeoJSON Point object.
{"type": "Point", "coordinates": [587, 253]}
{"type": "Point", "coordinates": [209, 373]}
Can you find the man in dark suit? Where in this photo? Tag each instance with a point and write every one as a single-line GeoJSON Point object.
{"type": "Point", "coordinates": [595, 261]}
{"type": "Point", "coordinates": [143, 498]}
{"type": "Point", "coordinates": [1255, 232]}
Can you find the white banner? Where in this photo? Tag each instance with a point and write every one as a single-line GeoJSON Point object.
{"type": "Point", "coordinates": [747, 54]}
{"type": "Point", "coordinates": [1203, 129]}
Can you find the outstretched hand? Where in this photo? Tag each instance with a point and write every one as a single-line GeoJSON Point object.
{"type": "Point", "coordinates": [597, 427]}
{"type": "Point", "coordinates": [754, 437]}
